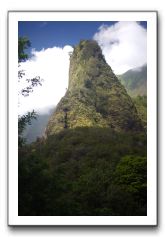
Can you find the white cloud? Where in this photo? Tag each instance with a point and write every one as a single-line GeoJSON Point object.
{"type": "Point", "coordinates": [52, 65]}
{"type": "Point", "coordinates": [124, 45]}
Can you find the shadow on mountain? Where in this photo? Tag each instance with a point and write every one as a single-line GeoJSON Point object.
{"type": "Point", "coordinates": [86, 171]}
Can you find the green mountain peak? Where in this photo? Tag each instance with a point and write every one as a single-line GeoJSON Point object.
{"type": "Point", "coordinates": [95, 97]}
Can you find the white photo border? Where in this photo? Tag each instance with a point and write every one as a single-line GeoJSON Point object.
{"type": "Point", "coordinates": [13, 18]}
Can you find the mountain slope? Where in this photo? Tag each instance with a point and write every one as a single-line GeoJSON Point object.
{"type": "Point", "coordinates": [135, 81]}
{"type": "Point", "coordinates": [141, 106]}
{"type": "Point", "coordinates": [95, 96]}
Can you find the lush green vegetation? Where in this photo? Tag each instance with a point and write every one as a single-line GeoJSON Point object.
{"type": "Point", "coordinates": [135, 81]}
{"type": "Point", "coordinates": [23, 121]}
{"type": "Point", "coordinates": [95, 96]}
{"type": "Point", "coordinates": [84, 171]}
{"type": "Point", "coordinates": [23, 44]}
{"type": "Point", "coordinates": [141, 106]}
{"type": "Point", "coordinates": [92, 160]}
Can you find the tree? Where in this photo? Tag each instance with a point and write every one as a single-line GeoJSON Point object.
{"type": "Point", "coordinates": [22, 122]}
{"type": "Point", "coordinates": [23, 44]}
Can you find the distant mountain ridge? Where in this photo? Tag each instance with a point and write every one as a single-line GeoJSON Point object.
{"type": "Point", "coordinates": [135, 81]}
{"type": "Point", "coordinates": [37, 127]}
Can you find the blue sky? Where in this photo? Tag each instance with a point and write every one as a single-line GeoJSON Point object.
{"type": "Point", "coordinates": [46, 34]}
{"type": "Point", "coordinates": [123, 44]}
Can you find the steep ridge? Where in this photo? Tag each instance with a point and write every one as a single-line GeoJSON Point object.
{"type": "Point", "coordinates": [95, 97]}
{"type": "Point", "coordinates": [135, 81]}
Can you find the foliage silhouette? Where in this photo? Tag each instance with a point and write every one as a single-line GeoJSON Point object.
{"type": "Point", "coordinates": [84, 171]}
{"type": "Point", "coordinates": [23, 44]}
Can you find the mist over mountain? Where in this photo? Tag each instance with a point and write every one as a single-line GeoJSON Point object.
{"type": "Point", "coordinates": [37, 127]}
